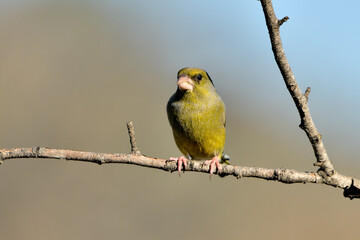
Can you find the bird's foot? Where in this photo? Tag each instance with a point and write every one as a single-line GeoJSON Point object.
{"type": "Point", "coordinates": [180, 161]}
{"type": "Point", "coordinates": [214, 163]}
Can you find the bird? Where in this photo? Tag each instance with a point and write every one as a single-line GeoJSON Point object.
{"type": "Point", "coordinates": [196, 115]}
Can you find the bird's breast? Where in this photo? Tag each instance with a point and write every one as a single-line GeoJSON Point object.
{"type": "Point", "coordinates": [198, 126]}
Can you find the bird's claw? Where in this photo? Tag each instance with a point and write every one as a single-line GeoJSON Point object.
{"type": "Point", "coordinates": [213, 162]}
{"type": "Point", "coordinates": [180, 161]}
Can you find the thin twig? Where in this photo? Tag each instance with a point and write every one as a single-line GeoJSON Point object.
{"type": "Point", "coordinates": [131, 131]}
{"type": "Point", "coordinates": [284, 19]}
{"type": "Point", "coordinates": [307, 93]}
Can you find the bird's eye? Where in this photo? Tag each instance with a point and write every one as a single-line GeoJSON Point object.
{"type": "Point", "coordinates": [199, 77]}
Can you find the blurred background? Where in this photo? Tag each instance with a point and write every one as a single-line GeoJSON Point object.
{"type": "Point", "coordinates": [72, 73]}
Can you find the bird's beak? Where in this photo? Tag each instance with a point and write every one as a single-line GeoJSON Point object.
{"type": "Point", "coordinates": [185, 83]}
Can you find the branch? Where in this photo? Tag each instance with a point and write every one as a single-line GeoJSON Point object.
{"type": "Point", "coordinates": [301, 100]}
{"type": "Point", "coordinates": [135, 158]}
{"type": "Point", "coordinates": [280, 174]}
{"type": "Point", "coordinates": [326, 169]}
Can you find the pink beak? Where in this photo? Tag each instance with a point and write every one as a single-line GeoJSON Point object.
{"type": "Point", "coordinates": [185, 83]}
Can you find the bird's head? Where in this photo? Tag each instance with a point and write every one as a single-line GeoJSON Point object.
{"type": "Point", "coordinates": [192, 79]}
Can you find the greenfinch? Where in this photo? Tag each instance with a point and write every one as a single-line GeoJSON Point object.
{"type": "Point", "coordinates": [197, 117]}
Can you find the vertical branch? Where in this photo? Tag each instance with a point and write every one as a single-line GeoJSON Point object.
{"type": "Point", "coordinates": [134, 149]}
{"type": "Point", "coordinates": [301, 100]}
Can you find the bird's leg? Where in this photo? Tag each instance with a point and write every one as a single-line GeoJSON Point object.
{"type": "Point", "coordinates": [213, 162]}
{"type": "Point", "coordinates": [180, 161]}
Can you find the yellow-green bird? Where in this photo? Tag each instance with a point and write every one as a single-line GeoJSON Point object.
{"type": "Point", "coordinates": [197, 117]}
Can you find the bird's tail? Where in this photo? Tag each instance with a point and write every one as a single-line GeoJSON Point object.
{"type": "Point", "coordinates": [225, 159]}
